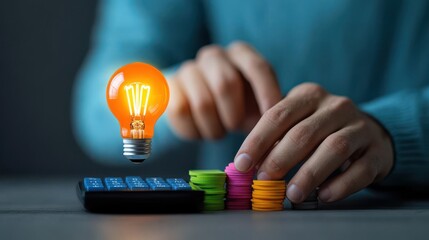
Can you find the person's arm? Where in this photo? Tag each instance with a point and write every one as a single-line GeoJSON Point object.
{"type": "Point", "coordinates": [405, 115]}
{"type": "Point", "coordinates": [159, 33]}
{"type": "Point", "coordinates": [326, 132]}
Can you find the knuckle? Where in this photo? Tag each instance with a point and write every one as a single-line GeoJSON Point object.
{"type": "Point", "coordinates": [341, 104]}
{"type": "Point", "coordinates": [238, 46]}
{"type": "Point", "coordinates": [204, 105]}
{"type": "Point", "coordinates": [178, 109]}
{"type": "Point", "coordinates": [275, 116]}
{"type": "Point", "coordinates": [209, 51]}
{"type": "Point", "coordinates": [361, 124]}
{"type": "Point", "coordinates": [309, 89]}
{"type": "Point", "coordinates": [274, 166]}
{"type": "Point", "coordinates": [225, 86]}
{"type": "Point", "coordinates": [257, 63]}
{"type": "Point", "coordinates": [234, 121]}
{"type": "Point", "coordinates": [369, 169]}
{"type": "Point", "coordinates": [232, 124]}
{"type": "Point", "coordinates": [339, 145]}
{"type": "Point", "coordinates": [300, 135]}
{"type": "Point", "coordinates": [187, 67]}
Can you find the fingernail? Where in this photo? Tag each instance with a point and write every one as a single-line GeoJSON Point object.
{"type": "Point", "coordinates": [294, 194]}
{"type": "Point", "coordinates": [243, 162]}
{"type": "Point", "coordinates": [263, 176]}
{"type": "Point", "coordinates": [325, 194]}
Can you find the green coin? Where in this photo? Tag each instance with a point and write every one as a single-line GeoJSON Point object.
{"type": "Point", "coordinates": [213, 201]}
{"type": "Point", "coordinates": [214, 198]}
{"type": "Point", "coordinates": [195, 187]}
{"type": "Point", "coordinates": [208, 180]}
{"type": "Point", "coordinates": [210, 186]}
{"type": "Point", "coordinates": [213, 172]}
{"type": "Point", "coordinates": [215, 191]}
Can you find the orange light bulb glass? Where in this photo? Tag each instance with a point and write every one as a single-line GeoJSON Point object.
{"type": "Point", "coordinates": [137, 95]}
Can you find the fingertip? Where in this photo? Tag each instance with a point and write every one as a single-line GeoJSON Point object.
{"type": "Point", "coordinates": [243, 162]}
{"type": "Point", "coordinates": [264, 176]}
{"type": "Point", "coordinates": [294, 193]}
{"type": "Point", "coordinates": [325, 195]}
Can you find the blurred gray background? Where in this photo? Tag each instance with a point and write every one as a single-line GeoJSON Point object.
{"type": "Point", "coordinates": [42, 46]}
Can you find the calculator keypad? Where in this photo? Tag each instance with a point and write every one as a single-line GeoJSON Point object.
{"type": "Point", "coordinates": [93, 184]}
{"type": "Point", "coordinates": [135, 183]}
{"type": "Point", "coordinates": [115, 184]}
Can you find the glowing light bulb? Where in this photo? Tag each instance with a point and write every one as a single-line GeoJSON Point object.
{"type": "Point", "coordinates": [137, 95]}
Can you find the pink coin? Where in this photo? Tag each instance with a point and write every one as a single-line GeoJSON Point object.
{"type": "Point", "coordinates": [234, 178]}
{"type": "Point", "coordinates": [230, 194]}
{"type": "Point", "coordinates": [237, 200]}
{"type": "Point", "coordinates": [239, 191]}
{"type": "Point", "coordinates": [238, 197]}
{"type": "Point", "coordinates": [245, 206]}
{"type": "Point", "coordinates": [241, 207]}
{"type": "Point", "coordinates": [239, 185]}
{"type": "Point", "coordinates": [234, 192]}
{"type": "Point", "coordinates": [240, 180]}
{"type": "Point", "coordinates": [238, 205]}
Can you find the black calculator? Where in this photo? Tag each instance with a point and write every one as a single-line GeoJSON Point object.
{"type": "Point", "coordinates": [133, 194]}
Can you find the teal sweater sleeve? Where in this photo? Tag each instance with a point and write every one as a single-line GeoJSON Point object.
{"type": "Point", "coordinates": [162, 34]}
{"type": "Point", "coordinates": [406, 117]}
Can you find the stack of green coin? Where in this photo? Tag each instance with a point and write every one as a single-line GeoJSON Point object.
{"type": "Point", "coordinates": [213, 184]}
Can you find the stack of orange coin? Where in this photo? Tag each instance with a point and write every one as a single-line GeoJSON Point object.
{"type": "Point", "coordinates": [268, 195]}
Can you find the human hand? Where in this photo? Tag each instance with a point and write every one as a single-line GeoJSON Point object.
{"type": "Point", "coordinates": [324, 132]}
{"type": "Point", "coordinates": [221, 90]}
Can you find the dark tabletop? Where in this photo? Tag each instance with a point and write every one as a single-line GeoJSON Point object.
{"type": "Point", "coordinates": [50, 209]}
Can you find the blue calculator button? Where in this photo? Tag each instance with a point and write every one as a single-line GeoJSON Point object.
{"type": "Point", "coordinates": [93, 184]}
{"type": "Point", "coordinates": [179, 184]}
{"type": "Point", "coordinates": [160, 187]}
{"type": "Point", "coordinates": [113, 180]}
{"type": "Point", "coordinates": [175, 180]}
{"type": "Point", "coordinates": [134, 178]}
{"type": "Point", "coordinates": [155, 180]}
{"type": "Point", "coordinates": [136, 183]}
{"type": "Point", "coordinates": [181, 187]}
{"type": "Point", "coordinates": [116, 187]}
{"type": "Point", "coordinates": [158, 184]}
{"type": "Point", "coordinates": [115, 184]}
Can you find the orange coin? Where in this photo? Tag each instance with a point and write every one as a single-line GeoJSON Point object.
{"type": "Point", "coordinates": [267, 204]}
{"type": "Point", "coordinates": [263, 192]}
{"type": "Point", "coordinates": [265, 188]}
{"type": "Point", "coordinates": [268, 197]}
{"type": "Point", "coordinates": [266, 210]}
{"type": "Point", "coordinates": [269, 182]}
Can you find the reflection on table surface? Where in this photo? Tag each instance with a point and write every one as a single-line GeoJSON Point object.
{"type": "Point", "coordinates": [49, 209]}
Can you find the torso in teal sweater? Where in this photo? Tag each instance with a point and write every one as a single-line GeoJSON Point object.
{"type": "Point", "coordinates": [374, 52]}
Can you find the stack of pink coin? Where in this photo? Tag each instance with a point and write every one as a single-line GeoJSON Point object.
{"type": "Point", "coordinates": [239, 188]}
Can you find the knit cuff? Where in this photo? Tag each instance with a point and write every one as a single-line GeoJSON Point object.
{"type": "Point", "coordinates": [401, 117]}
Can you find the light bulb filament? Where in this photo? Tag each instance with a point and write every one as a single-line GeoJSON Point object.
{"type": "Point", "coordinates": [137, 98]}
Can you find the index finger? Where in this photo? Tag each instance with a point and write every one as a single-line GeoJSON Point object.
{"type": "Point", "coordinates": [257, 72]}
{"type": "Point", "coordinates": [270, 128]}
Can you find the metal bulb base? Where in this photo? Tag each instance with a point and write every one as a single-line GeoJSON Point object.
{"type": "Point", "coordinates": [137, 150]}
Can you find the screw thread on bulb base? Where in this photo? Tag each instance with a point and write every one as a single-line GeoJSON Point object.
{"type": "Point", "coordinates": [137, 150]}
